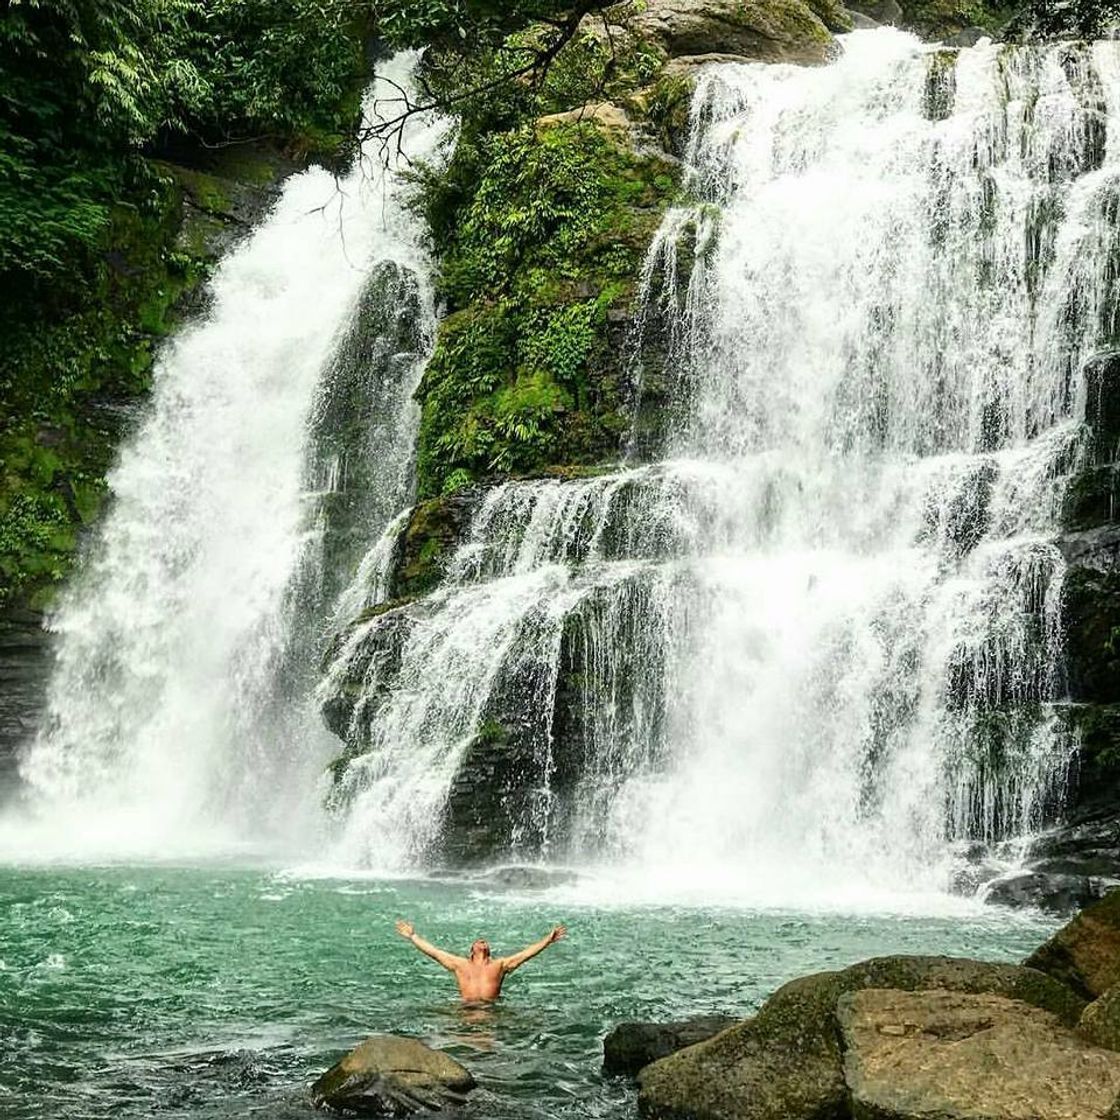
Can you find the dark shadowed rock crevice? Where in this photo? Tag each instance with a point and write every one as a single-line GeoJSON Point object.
{"type": "Point", "coordinates": [630, 1047]}
{"type": "Point", "coordinates": [25, 664]}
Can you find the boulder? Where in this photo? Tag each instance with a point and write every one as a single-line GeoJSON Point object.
{"type": "Point", "coordinates": [1100, 1021]}
{"type": "Point", "coordinates": [1025, 983]}
{"type": "Point", "coordinates": [786, 1063]}
{"type": "Point", "coordinates": [1085, 953]}
{"type": "Point", "coordinates": [967, 37]}
{"type": "Point", "coordinates": [630, 1046]}
{"type": "Point", "coordinates": [881, 11]}
{"type": "Point", "coordinates": [525, 877]}
{"type": "Point", "coordinates": [832, 14]}
{"type": "Point", "coordinates": [958, 1056]}
{"type": "Point", "coordinates": [603, 114]}
{"type": "Point", "coordinates": [764, 30]}
{"type": "Point", "coordinates": [862, 22]}
{"type": "Point", "coordinates": [388, 1075]}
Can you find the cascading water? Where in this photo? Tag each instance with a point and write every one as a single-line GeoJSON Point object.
{"type": "Point", "coordinates": [821, 641]}
{"type": "Point", "coordinates": [175, 718]}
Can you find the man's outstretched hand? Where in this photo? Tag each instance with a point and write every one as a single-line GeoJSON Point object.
{"type": "Point", "coordinates": [557, 933]}
{"type": "Point", "coordinates": [405, 928]}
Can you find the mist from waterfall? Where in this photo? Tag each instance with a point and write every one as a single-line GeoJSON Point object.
{"type": "Point", "coordinates": [178, 716]}
{"type": "Point", "coordinates": [817, 647]}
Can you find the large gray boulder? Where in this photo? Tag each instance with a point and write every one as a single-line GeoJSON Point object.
{"type": "Point", "coordinates": [388, 1075]}
{"type": "Point", "coordinates": [959, 1056]}
{"type": "Point", "coordinates": [786, 1063]}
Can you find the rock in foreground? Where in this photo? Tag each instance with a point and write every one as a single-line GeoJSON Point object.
{"type": "Point", "coordinates": [631, 1046]}
{"type": "Point", "coordinates": [959, 1056]}
{"type": "Point", "coordinates": [1085, 954]}
{"type": "Point", "coordinates": [787, 1064]}
{"type": "Point", "coordinates": [392, 1076]}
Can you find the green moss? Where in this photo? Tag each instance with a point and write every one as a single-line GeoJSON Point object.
{"type": "Point", "coordinates": [544, 256]}
{"type": "Point", "coordinates": [68, 369]}
{"type": "Point", "coordinates": [664, 106]}
{"type": "Point", "coordinates": [432, 533]}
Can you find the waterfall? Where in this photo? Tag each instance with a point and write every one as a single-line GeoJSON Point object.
{"type": "Point", "coordinates": [818, 639]}
{"type": "Point", "coordinates": [277, 444]}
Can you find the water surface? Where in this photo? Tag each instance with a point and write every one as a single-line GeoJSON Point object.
{"type": "Point", "coordinates": [208, 992]}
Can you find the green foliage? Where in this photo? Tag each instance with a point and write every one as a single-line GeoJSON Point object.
{"type": "Point", "coordinates": [88, 271]}
{"type": "Point", "coordinates": [549, 240]}
{"type": "Point", "coordinates": [471, 24]}
{"type": "Point", "coordinates": [1087, 19]}
{"type": "Point", "coordinates": [56, 440]}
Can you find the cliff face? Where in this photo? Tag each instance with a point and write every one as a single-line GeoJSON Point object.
{"type": "Point", "coordinates": [542, 220]}
{"type": "Point", "coordinates": [1078, 860]}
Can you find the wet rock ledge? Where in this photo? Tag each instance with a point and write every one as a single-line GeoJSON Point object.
{"type": "Point", "coordinates": [911, 1038]}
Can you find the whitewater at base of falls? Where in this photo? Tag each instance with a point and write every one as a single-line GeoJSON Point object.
{"type": "Point", "coordinates": [818, 649]}
{"type": "Point", "coordinates": [173, 726]}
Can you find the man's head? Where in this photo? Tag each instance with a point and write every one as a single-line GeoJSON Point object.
{"type": "Point", "coordinates": [480, 950]}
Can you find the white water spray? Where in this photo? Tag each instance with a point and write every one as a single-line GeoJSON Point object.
{"type": "Point", "coordinates": [820, 642]}
{"type": "Point", "coordinates": [161, 733]}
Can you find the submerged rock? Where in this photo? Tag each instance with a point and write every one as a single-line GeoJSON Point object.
{"type": "Point", "coordinates": [388, 1075]}
{"type": "Point", "coordinates": [521, 877]}
{"type": "Point", "coordinates": [1058, 891]}
{"type": "Point", "coordinates": [1085, 954]}
{"type": "Point", "coordinates": [631, 1046]}
{"type": "Point", "coordinates": [959, 1055]}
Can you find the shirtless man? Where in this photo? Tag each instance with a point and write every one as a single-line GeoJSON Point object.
{"type": "Point", "coordinates": [479, 975]}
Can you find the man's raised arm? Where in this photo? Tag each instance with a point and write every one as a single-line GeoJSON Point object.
{"type": "Point", "coordinates": [448, 960]}
{"type": "Point", "coordinates": [518, 959]}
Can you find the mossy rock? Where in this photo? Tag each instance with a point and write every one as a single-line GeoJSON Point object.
{"type": "Point", "coordinates": [763, 30]}
{"type": "Point", "coordinates": [388, 1075]}
{"type": "Point", "coordinates": [76, 371]}
{"type": "Point", "coordinates": [1092, 498]}
{"type": "Point", "coordinates": [531, 369]}
{"type": "Point", "coordinates": [1085, 953]}
{"type": "Point", "coordinates": [1100, 1022]}
{"type": "Point", "coordinates": [938, 20]}
{"type": "Point", "coordinates": [434, 530]}
{"type": "Point", "coordinates": [1091, 613]}
{"type": "Point", "coordinates": [786, 1063]}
